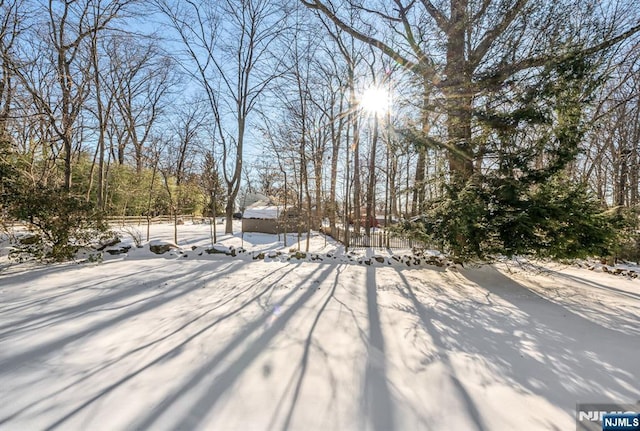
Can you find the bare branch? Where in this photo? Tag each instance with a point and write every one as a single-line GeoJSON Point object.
{"type": "Point", "coordinates": [492, 35]}
{"type": "Point", "coordinates": [386, 49]}
{"type": "Point", "coordinates": [498, 76]}
{"type": "Point", "coordinates": [437, 15]}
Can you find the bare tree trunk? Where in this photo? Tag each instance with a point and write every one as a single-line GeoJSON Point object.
{"type": "Point", "coordinates": [371, 203]}
{"type": "Point", "coordinates": [233, 182]}
{"type": "Point", "coordinates": [418, 183]}
{"type": "Point", "coordinates": [173, 205]}
{"type": "Point", "coordinates": [100, 114]}
{"type": "Point", "coordinates": [335, 153]}
{"type": "Point", "coordinates": [318, 168]}
{"type": "Point", "coordinates": [347, 191]}
{"type": "Point", "coordinates": [357, 199]}
{"type": "Point", "coordinates": [393, 191]}
{"type": "Point", "coordinates": [458, 95]}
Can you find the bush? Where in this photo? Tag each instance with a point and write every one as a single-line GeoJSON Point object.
{"type": "Point", "coordinates": [64, 223]}
{"type": "Point", "coordinates": [556, 219]}
{"type": "Point", "coordinates": [628, 226]}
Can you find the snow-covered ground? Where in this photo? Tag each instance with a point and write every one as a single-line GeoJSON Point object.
{"type": "Point", "coordinates": [214, 342]}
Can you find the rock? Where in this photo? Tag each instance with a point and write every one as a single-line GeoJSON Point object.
{"type": "Point", "coordinates": [114, 251]}
{"type": "Point", "coordinates": [434, 261]}
{"type": "Point", "coordinates": [379, 259]}
{"type": "Point", "coordinates": [161, 247]}
{"type": "Point", "coordinates": [218, 249]}
{"type": "Point", "coordinates": [259, 256]}
{"type": "Point", "coordinates": [221, 249]}
{"type": "Point", "coordinates": [108, 243]}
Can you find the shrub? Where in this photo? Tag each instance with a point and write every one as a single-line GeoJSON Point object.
{"type": "Point", "coordinates": [556, 219]}
{"type": "Point", "coordinates": [64, 223]}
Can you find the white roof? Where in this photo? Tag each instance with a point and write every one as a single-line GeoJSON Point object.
{"type": "Point", "coordinates": [262, 211]}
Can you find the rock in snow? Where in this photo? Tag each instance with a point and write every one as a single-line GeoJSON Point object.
{"type": "Point", "coordinates": [162, 246]}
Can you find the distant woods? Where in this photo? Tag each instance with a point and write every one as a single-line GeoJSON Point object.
{"type": "Point", "coordinates": [164, 107]}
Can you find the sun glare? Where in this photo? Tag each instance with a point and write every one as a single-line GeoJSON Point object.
{"type": "Point", "coordinates": [375, 100]}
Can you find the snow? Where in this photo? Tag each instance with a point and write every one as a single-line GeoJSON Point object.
{"type": "Point", "coordinates": [262, 212]}
{"type": "Point", "coordinates": [214, 342]}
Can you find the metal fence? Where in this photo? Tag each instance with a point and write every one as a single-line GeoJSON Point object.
{"type": "Point", "coordinates": [379, 239]}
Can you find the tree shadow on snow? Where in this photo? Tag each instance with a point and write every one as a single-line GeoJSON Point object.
{"type": "Point", "coordinates": [377, 402]}
{"type": "Point", "coordinates": [39, 353]}
{"type": "Point", "coordinates": [40, 319]}
{"type": "Point", "coordinates": [226, 376]}
{"type": "Point", "coordinates": [534, 344]}
{"type": "Point", "coordinates": [596, 285]}
{"type": "Point", "coordinates": [298, 377]}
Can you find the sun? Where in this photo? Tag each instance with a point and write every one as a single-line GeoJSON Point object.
{"type": "Point", "coordinates": [375, 100]}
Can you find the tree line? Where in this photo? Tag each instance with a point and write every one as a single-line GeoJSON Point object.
{"type": "Point", "coordinates": [511, 126]}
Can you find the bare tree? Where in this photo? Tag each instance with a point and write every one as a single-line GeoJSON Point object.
{"type": "Point", "coordinates": [11, 21]}
{"type": "Point", "coordinates": [61, 86]}
{"type": "Point", "coordinates": [141, 77]}
{"type": "Point", "coordinates": [233, 63]}
{"type": "Point", "coordinates": [212, 186]}
{"type": "Point", "coordinates": [188, 132]}
{"type": "Point", "coordinates": [102, 109]}
{"type": "Point", "coordinates": [334, 110]}
{"type": "Point", "coordinates": [609, 158]}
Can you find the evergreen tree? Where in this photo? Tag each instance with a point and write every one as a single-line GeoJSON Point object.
{"type": "Point", "coordinates": [520, 201]}
{"type": "Point", "coordinates": [8, 175]}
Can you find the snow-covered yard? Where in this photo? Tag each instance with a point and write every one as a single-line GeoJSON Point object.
{"type": "Point", "coordinates": [213, 342]}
